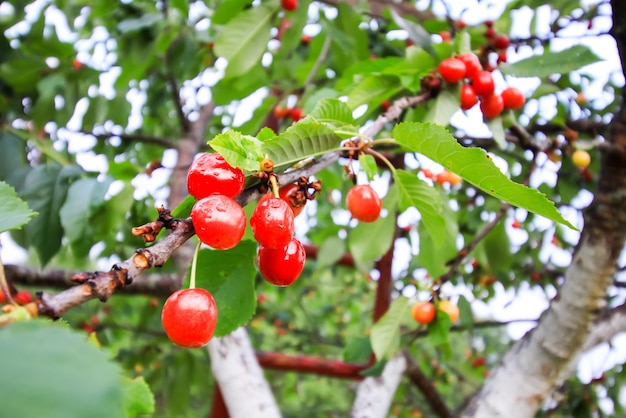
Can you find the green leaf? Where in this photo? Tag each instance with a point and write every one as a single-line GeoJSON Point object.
{"type": "Point", "coordinates": [84, 197]}
{"type": "Point", "coordinates": [443, 107]}
{"type": "Point", "coordinates": [243, 151]}
{"type": "Point", "coordinates": [562, 62]}
{"type": "Point", "coordinates": [228, 9]}
{"type": "Point", "coordinates": [474, 166]}
{"type": "Point", "coordinates": [365, 250]}
{"type": "Point", "coordinates": [244, 39]}
{"type": "Point", "coordinates": [183, 210]}
{"type": "Point", "coordinates": [435, 257]}
{"type": "Point", "coordinates": [147, 20]}
{"type": "Point", "coordinates": [416, 193]}
{"type": "Point", "coordinates": [330, 251]}
{"type": "Point", "coordinates": [385, 335]}
{"type": "Point", "coordinates": [368, 164]}
{"type": "Point", "coordinates": [497, 129]}
{"type": "Point", "coordinates": [229, 276]}
{"type": "Point", "coordinates": [439, 333]}
{"type": "Point", "coordinates": [302, 140]}
{"type": "Point", "coordinates": [14, 211]}
{"type": "Point", "coordinates": [358, 350]}
{"type": "Point", "coordinates": [373, 90]}
{"type": "Point", "coordinates": [333, 111]}
{"type": "Point", "coordinates": [50, 371]}
{"type": "Point", "coordinates": [497, 245]}
{"type": "Point", "coordinates": [138, 398]}
{"type": "Point", "coordinates": [417, 33]}
{"type": "Point", "coordinates": [45, 189]}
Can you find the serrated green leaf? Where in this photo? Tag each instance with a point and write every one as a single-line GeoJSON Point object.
{"type": "Point", "coordinates": [368, 164]}
{"type": "Point", "coordinates": [385, 336]}
{"type": "Point", "coordinates": [304, 139]}
{"type": "Point", "coordinates": [138, 398]}
{"type": "Point", "coordinates": [266, 134]}
{"type": "Point", "coordinates": [243, 151]}
{"type": "Point", "coordinates": [14, 212]}
{"type": "Point", "coordinates": [229, 276]}
{"type": "Point", "coordinates": [497, 246]}
{"type": "Point", "coordinates": [244, 39]}
{"type": "Point", "coordinates": [474, 166]}
{"type": "Point", "coordinates": [45, 190]}
{"type": "Point", "coordinates": [416, 193]}
{"type": "Point", "coordinates": [373, 90]}
{"type": "Point", "coordinates": [562, 62]}
{"type": "Point", "coordinates": [364, 250]}
{"type": "Point", "coordinates": [65, 374]}
{"type": "Point", "coordinates": [333, 111]}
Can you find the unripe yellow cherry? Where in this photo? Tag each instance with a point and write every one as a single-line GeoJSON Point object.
{"type": "Point", "coordinates": [581, 158]}
{"type": "Point", "coordinates": [449, 308]}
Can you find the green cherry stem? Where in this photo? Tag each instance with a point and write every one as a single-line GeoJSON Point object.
{"type": "Point", "coordinates": [275, 187]}
{"type": "Point", "coordinates": [194, 264]}
{"type": "Point", "coordinates": [383, 159]}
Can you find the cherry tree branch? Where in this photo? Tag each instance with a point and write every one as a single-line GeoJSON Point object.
{"type": "Point", "coordinates": [425, 385]}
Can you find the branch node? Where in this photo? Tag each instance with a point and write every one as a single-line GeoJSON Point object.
{"type": "Point", "coordinates": [142, 259]}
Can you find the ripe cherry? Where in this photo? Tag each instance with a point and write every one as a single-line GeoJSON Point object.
{"type": "Point", "coordinates": [423, 312]}
{"type": "Point", "coordinates": [77, 65]}
{"type": "Point", "coordinates": [468, 97]}
{"type": "Point", "coordinates": [501, 41]}
{"type": "Point", "coordinates": [581, 158]}
{"type": "Point", "coordinates": [189, 317]}
{"type": "Point", "coordinates": [22, 297]}
{"type": "Point", "coordinates": [483, 83]}
{"type": "Point", "coordinates": [281, 112]}
{"type": "Point", "coordinates": [282, 266]}
{"type": "Point", "coordinates": [472, 64]}
{"type": "Point", "coordinates": [479, 362]}
{"type": "Point", "coordinates": [492, 106]}
{"type": "Point", "coordinates": [516, 224]}
{"type": "Point", "coordinates": [211, 174]}
{"type": "Point", "coordinates": [294, 196]}
{"type": "Point", "coordinates": [445, 36]}
{"type": "Point", "coordinates": [513, 98]}
{"type": "Point", "coordinates": [448, 177]}
{"type": "Point", "coordinates": [364, 203]}
{"type": "Point", "coordinates": [289, 5]}
{"type": "Point", "coordinates": [452, 70]}
{"type": "Point", "coordinates": [272, 222]}
{"type": "Point", "coordinates": [219, 221]}
{"type": "Point", "coordinates": [296, 114]}
{"type": "Point", "coordinates": [490, 33]}
{"type": "Point", "coordinates": [450, 309]}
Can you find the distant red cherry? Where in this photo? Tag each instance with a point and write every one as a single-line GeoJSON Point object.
{"type": "Point", "coordinates": [282, 266]}
{"type": "Point", "coordinates": [296, 114]}
{"type": "Point", "coordinates": [501, 41]}
{"type": "Point", "coordinates": [289, 5]}
{"type": "Point", "coordinates": [472, 64]}
{"type": "Point", "coordinates": [513, 98]}
{"type": "Point", "coordinates": [22, 297]}
{"type": "Point", "coordinates": [452, 70]}
{"type": "Point", "coordinates": [483, 83]}
{"type": "Point", "coordinates": [468, 97]}
{"type": "Point", "coordinates": [491, 106]}
{"type": "Point", "coordinates": [189, 317]}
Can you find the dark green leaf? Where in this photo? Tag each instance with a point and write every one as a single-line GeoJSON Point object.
{"type": "Point", "coordinates": [330, 251]}
{"type": "Point", "coordinates": [562, 62]}
{"type": "Point", "coordinates": [138, 398]}
{"type": "Point", "coordinates": [358, 350]}
{"type": "Point", "coordinates": [417, 33]}
{"type": "Point", "coordinates": [373, 90]}
{"type": "Point", "coordinates": [444, 106]}
{"type": "Point", "coordinates": [385, 335]}
{"type": "Point", "coordinates": [14, 212]}
{"type": "Point", "coordinates": [50, 371]}
{"type": "Point", "coordinates": [475, 166]}
{"type": "Point", "coordinates": [368, 165]}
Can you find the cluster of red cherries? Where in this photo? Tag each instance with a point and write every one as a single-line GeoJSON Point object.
{"type": "Point", "coordinates": [479, 85]}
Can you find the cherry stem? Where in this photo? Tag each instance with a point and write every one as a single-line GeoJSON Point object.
{"type": "Point", "coordinates": [4, 287]}
{"type": "Point", "coordinates": [383, 159]}
{"type": "Point", "coordinates": [194, 264]}
{"type": "Point", "coordinates": [274, 184]}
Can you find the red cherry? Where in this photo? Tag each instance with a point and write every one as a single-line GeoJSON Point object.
{"type": "Point", "coordinates": [210, 174]}
{"type": "Point", "coordinates": [22, 297]}
{"type": "Point", "coordinates": [452, 70]}
{"type": "Point", "coordinates": [294, 197]}
{"type": "Point", "coordinates": [445, 36]}
{"type": "Point", "coordinates": [281, 112]}
{"type": "Point", "coordinates": [282, 266]}
{"type": "Point", "coordinates": [502, 57]}
{"type": "Point", "coordinates": [219, 221]}
{"type": "Point", "coordinates": [491, 106]}
{"type": "Point", "coordinates": [472, 64]}
{"type": "Point", "coordinates": [513, 98]}
{"type": "Point", "coordinates": [289, 5]}
{"type": "Point", "coordinates": [479, 362]}
{"type": "Point", "coordinates": [489, 23]}
{"type": "Point", "coordinates": [516, 224]}
{"type": "Point", "coordinates": [2, 297]}
{"type": "Point", "coordinates": [483, 83]}
{"type": "Point", "coordinates": [490, 33]}
{"type": "Point", "coordinates": [423, 312]}
{"type": "Point", "coordinates": [296, 114]}
{"type": "Point", "coordinates": [272, 222]}
{"type": "Point", "coordinates": [77, 65]}
{"type": "Point", "coordinates": [468, 97]}
{"type": "Point", "coordinates": [364, 203]}
{"type": "Point", "coordinates": [189, 317]}
{"type": "Point", "coordinates": [385, 105]}
{"type": "Point", "coordinates": [501, 42]}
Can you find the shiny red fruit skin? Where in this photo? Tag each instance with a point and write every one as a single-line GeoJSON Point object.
{"type": "Point", "coordinates": [452, 70]}
{"type": "Point", "coordinates": [22, 297]}
{"type": "Point", "coordinates": [468, 97]}
{"type": "Point", "coordinates": [364, 203]}
{"type": "Point", "coordinates": [288, 194]}
{"type": "Point", "coordinates": [289, 5]}
{"type": "Point", "coordinates": [472, 64]}
{"type": "Point", "coordinates": [282, 266]}
{"type": "Point", "coordinates": [513, 98]}
{"type": "Point", "coordinates": [219, 221]}
{"type": "Point", "coordinates": [272, 223]}
{"type": "Point", "coordinates": [296, 114]}
{"type": "Point", "coordinates": [189, 317]}
{"type": "Point", "coordinates": [210, 174]}
{"type": "Point", "coordinates": [483, 83]}
{"type": "Point", "coordinates": [492, 106]}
